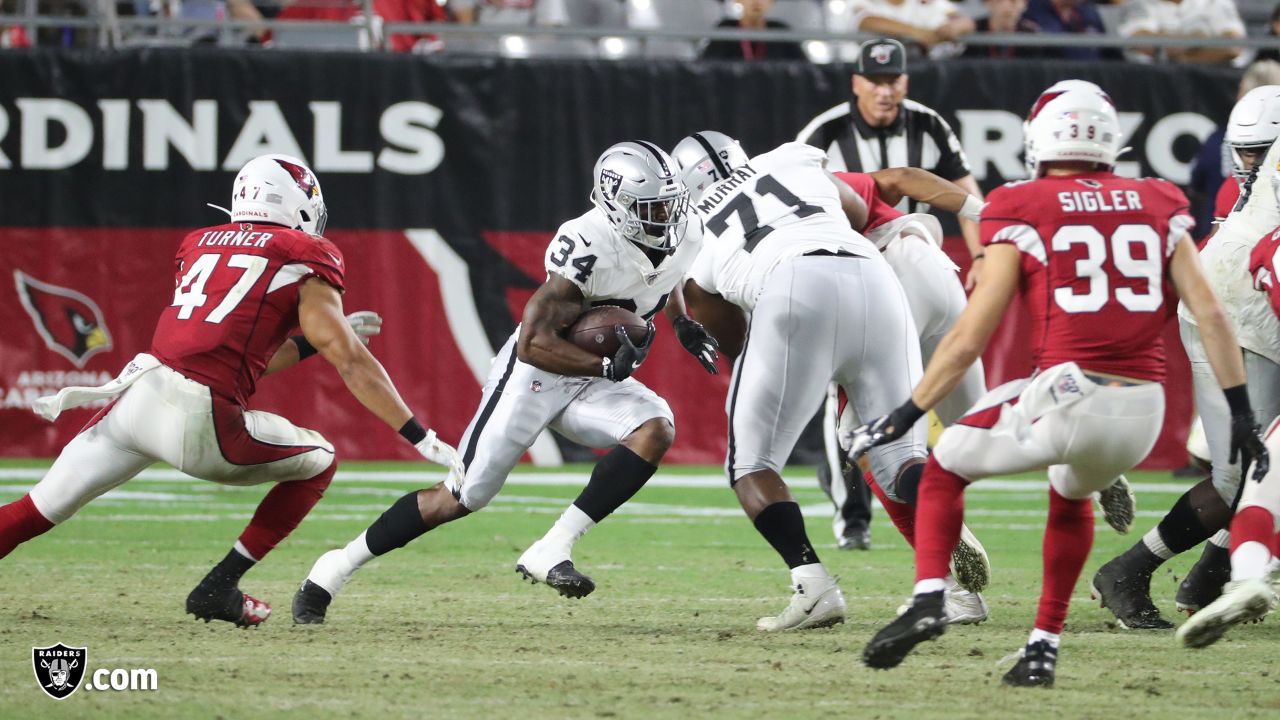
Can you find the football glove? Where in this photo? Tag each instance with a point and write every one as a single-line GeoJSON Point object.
{"type": "Point", "coordinates": [698, 342]}
{"type": "Point", "coordinates": [629, 355]}
{"type": "Point", "coordinates": [1246, 443]}
{"type": "Point", "coordinates": [365, 324]}
{"type": "Point", "coordinates": [440, 453]}
{"type": "Point", "coordinates": [880, 431]}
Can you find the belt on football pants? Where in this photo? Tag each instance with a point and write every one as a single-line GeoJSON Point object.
{"type": "Point", "coordinates": [1105, 380]}
{"type": "Point", "coordinates": [830, 253]}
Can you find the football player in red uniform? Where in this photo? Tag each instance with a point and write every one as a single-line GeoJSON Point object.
{"type": "Point", "coordinates": [1098, 259]}
{"type": "Point", "coordinates": [1255, 542]}
{"type": "Point", "coordinates": [240, 289]}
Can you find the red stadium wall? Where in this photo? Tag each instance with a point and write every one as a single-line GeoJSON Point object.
{"type": "Point", "coordinates": [126, 277]}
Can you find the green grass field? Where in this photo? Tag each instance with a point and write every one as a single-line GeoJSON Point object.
{"type": "Point", "coordinates": [444, 628]}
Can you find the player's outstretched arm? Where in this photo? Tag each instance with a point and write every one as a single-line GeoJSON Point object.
{"type": "Point", "coordinates": [852, 204]}
{"type": "Point", "coordinates": [365, 323]}
{"type": "Point", "coordinates": [1223, 350]}
{"type": "Point", "coordinates": [893, 184]}
{"type": "Point", "coordinates": [548, 314]}
{"type": "Point", "coordinates": [691, 333]}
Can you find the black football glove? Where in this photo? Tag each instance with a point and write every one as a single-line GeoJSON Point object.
{"type": "Point", "coordinates": [1246, 436]}
{"type": "Point", "coordinates": [882, 430]}
{"type": "Point", "coordinates": [698, 342]}
{"type": "Point", "coordinates": [629, 355]}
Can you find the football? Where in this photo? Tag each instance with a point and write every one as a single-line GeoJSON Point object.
{"type": "Point", "coordinates": [593, 330]}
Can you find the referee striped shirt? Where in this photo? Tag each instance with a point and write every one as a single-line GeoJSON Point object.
{"type": "Point", "coordinates": [918, 138]}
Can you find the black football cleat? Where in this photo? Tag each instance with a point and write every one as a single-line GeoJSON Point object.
{"type": "Point", "coordinates": [228, 604]}
{"type": "Point", "coordinates": [1127, 594]}
{"type": "Point", "coordinates": [310, 604]}
{"type": "Point", "coordinates": [855, 537]}
{"type": "Point", "coordinates": [926, 619]}
{"type": "Point", "coordinates": [1035, 667]}
{"type": "Point", "coordinates": [563, 576]}
{"type": "Point", "coordinates": [1203, 584]}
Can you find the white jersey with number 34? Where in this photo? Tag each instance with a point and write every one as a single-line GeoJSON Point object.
{"type": "Point", "coordinates": [777, 206]}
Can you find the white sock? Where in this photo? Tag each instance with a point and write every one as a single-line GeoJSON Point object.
{"type": "Point", "coordinates": [357, 552]}
{"type": "Point", "coordinates": [571, 526]}
{"type": "Point", "coordinates": [929, 585]}
{"type": "Point", "coordinates": [1222, 538]}
{"type": "Point", "coordinates": [1155, 544]}
{"type": "Point", "coordinates": [244, 551]}
{"type": "Point", "coordinates": [812, 571]}
{"type": "Point", "coordinates": [1037, 635]}
{"type": "Point", "coordinates": [1250, 561]}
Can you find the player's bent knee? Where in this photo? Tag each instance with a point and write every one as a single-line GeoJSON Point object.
{"type": "Point", "coordinates": [652, 439]}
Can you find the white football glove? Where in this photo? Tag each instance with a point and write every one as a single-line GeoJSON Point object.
{"type": "Point", "coordinates": [440, 453]}
{"type": "Point", "coordinates": [365, 324]}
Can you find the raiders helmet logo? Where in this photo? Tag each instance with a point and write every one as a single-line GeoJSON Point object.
{"type": "Point", "coordinates": [881, 53]}
{"type": "Point", "coordinates": [59, 669]}
{"type": "Point", "coordinates": [70, 323]}
{"type": "Point", "coordinates": [610, 184]}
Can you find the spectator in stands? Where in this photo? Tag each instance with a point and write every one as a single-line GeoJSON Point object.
{"type": "Point", "coordinates": [1004, 16]}
{"type": "Point", "coordinates": [386, 11]}
{"type": "Point", "coordinates": [493, 12]}
{"type": "Point", "coordinates": [12, 36]}
{"type": "Point", "coordinates": [932, 26]}
{"type": "Point", "coordinates": [1273, 30]}
{"type": "Point", "coordinates": [1182, 18]}
{"type": "Point", "coordinates": [752, 16]}
{"type": "Point", "coordinates": [1079, 17]}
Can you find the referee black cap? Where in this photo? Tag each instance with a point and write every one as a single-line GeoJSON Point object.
{"type": "Point", "coordinates": [884, 56]}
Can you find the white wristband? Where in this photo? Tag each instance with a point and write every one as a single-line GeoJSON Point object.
{"type": "Point", "coordinates": [972, 208]}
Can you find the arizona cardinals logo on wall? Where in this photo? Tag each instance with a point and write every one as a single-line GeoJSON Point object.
{"type": "Point", "coordinates": [70, 323]}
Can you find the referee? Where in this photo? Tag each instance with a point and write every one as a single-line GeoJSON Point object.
{"type": "Point", "coordinates": [881, 129]}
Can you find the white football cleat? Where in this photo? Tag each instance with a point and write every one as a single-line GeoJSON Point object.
{"type": "Point", "coordinates": [969, 562]}
{"type": "Point", "coordinates": [332, 571]}
{"type": "Point", "coordinates": [1118, 504]}
{"type": "Point", "coordinates": [817, 603]}
{"type": "Point", "coordinates": [550, 563]}
{"type": "Point", "coordinates": [960, 606]}
{"type": "Point", "coordinates": [1241, 601]}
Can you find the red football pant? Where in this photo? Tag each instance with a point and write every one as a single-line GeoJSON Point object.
{"type": "Point", "coordinates": [281, 511]}
{"type": "Point", "coordinates": [903, 515]}
{"type": "Point", "coordinates": [19, 522]}
{"type": "Point", "coordinates": [1068, 537]}
{"type": "Point", "coordinates": [940, 513]}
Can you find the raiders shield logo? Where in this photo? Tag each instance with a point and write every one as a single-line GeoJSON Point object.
{"type": "Point", "coordinates": [59, 669]}
{"type": "Point", "coordinates": [70, 323]}
{"type": "Point", "coordinates": [610, 183]}
{"type": "Point", "coordinates": [881, 53]}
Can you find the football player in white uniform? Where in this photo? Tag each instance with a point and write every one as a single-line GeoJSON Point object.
{"type": "Point", "coordinates": [780, 247]}
{"type": "Point", "coordinates": [632, 249]}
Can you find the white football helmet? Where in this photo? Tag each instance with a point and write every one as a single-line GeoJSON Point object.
{"type": "Point", "coordinates": [1054, 91]}
{"type": "Point", "coordinates": [1254, 125]}
{"type": "Point", "coordinates": [1078, 125]}
{"type": "Point", "coordinates": [279, 189]}
{"type": "Point", "coordinates": [635, 185]}
{"type": "Point", "coordinates": [705, 159]}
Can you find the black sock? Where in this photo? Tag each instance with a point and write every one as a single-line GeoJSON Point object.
{"type": "Point", "coordinates": [1140, 559]}
{"type": "Point", "coordinates": [229, 570]}
{"type": "Point", "coordinates": [1181, 528]}
{"type": "Point", "coordinates": [908, 485]}
{"type": "Point", "coordinates": [783, 526]}
{"type": "Point", "coordinates": [395, 527]}
{"type": "Point", "coordinates": [617, 477]}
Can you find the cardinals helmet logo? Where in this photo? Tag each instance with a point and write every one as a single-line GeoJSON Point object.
{"type": "Point", "coordinates": [70, 323]}
{"type": "Point", "coordinates": [302, 176]}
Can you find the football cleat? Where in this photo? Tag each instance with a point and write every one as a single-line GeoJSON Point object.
{"type": "Point", "coordinates": [817, 603]}
{"type": "Point", "coordinates": [854, 537]}
{"type": "Point", "coordinates": [310, 604]}
{"type": "Point", "coordinates": [1203, 584]}
{"type": "Point", "coordinates": [924, 620]}
{"type": "Point", "coordinates": [228, 604]}
{"type": "Point", "coordinates": [1119, 506]}
{"type": "Point", "coordinates": [1035, 666]}
{"type": "Point", "coordinates": [1127, 595]}
{"type": "Point", "coordinates": [969, 563]}
{"type": "Point", "coordinates": [961, 607]}
{"type": "Point", "coordinates": [543, 563]}
{"type": "Point", "coordinates": [1241, 601]}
